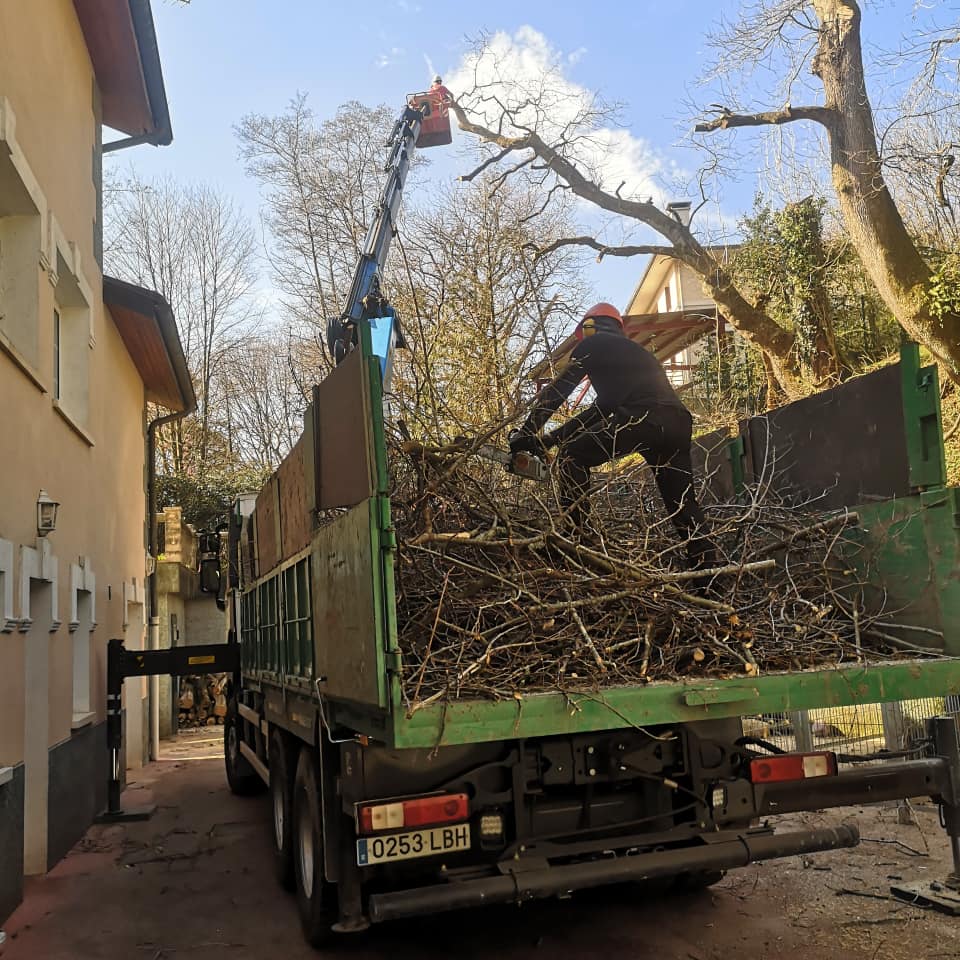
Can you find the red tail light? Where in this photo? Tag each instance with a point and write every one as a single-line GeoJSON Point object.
{"type": "Point", "coordinates": [793, 766]}
{"type": "Point", "coordinates": [419, 812]}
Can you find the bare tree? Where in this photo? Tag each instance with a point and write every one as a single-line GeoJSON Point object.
{"type": "Point", "coordinates": [263, 397]}
{"type": "Point", "coordinates": [320, 183]}
{"type": "Point", "coordinates": [193, 245]}
{"type": "Point", "coordinates": [823, 37]}
{"type": "Point", "coordinates": [462, 272]}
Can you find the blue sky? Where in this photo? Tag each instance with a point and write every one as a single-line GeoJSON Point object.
{"type": "Point", "coordinates": [225, 58]}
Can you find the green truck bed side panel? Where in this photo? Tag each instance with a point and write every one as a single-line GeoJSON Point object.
{"type": "Point", "coordinates": [910, 554]}
{"type": "Point", "coordinates": [348, 602]}
{"type": "Point", "coordinates": [667, 703]}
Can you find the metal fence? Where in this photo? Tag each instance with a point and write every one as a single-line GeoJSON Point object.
{"type": "Point", "coordinates": [864, 733]}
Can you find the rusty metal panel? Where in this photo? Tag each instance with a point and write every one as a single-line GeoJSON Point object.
{"type": "Point", "coordinates": [841, 447]}
{"type": "Point", "coordinates": [712, 467]}
{"type": "Point", "coordinates": [347, 621]}
{"type": "Point", "coordinates": [267, 516]}
{"type": "Point", "coordinates": [296, 498]}
{"type": "Point", "coordinates": [345, 465]}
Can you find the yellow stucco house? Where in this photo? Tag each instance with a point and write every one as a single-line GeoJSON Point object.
{"type": "Point", "coordinates": [80, 358]}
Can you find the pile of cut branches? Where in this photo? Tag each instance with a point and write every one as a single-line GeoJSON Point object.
{"type": "Point", "coordinates": [498, 597]}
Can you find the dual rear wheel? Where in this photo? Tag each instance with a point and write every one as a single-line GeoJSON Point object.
{"type": "Point", "coordinates": [298, 843]}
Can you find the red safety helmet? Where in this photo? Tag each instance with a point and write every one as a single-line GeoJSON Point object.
{"type": "Point", "coordinates": [585, 328]}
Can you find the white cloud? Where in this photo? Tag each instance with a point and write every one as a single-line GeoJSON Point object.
{"type": "Point", "coordinates": [525, 72]}
{"type": "Point", "coordinates": [389, 58]}
{"type": "Point", "coordinates": [407, 7]}
{"type": "Point", "coordinates": [575, 56]}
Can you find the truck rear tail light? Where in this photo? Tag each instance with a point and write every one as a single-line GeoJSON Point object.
{"type": "Point", "coordinates": [419, 812]}
{"type": "Point", "coordinates": [793, 766]}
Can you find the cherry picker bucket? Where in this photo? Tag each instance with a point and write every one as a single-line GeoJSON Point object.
{"type": "Point", "coordinates": [435, 129]}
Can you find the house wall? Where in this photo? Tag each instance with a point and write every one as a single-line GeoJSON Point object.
{"type": "Point", "coordinates": [691, 289]}
{"type": "Point", "coordinates": [206, 623]}
{"type": "Point", "coordinates": [63, 597]}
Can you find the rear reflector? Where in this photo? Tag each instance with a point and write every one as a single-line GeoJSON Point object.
{"type": "Point", "coordinates": [793, 766]}
{"type": "Point", "coordinates": [421, 812]}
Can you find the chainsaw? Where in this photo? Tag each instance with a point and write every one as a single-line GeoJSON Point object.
{"type": "Point", "coordinates": [521, 464]}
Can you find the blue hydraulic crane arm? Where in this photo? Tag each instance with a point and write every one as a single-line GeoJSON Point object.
{"type": "Point", "coordinates": [365, 301]}
{"type": "Point", "coordinates": [376, 246]}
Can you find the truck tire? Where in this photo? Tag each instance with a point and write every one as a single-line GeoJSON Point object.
{"type": "Point", "coordinates": [315, 897]}
{"type": "Point", "coordinates": [281, 799]}
{"type": "Point", "coordinates": [241, 776]}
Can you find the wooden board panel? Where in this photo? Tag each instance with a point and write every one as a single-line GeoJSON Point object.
{"type": "Point", "coordinates": [296, 498]}
{"type": "Point", "coordinates": [342, 419]}
{"type": "Point", "coordinates": [268, 528]}
{"type": "Point", "coordinates": [345, 572]}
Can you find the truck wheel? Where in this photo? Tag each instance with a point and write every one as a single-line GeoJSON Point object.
{"type": "Point", "coordinates": [281, 798]}
{"type": "Point", "coordinates": [315, 897]}
{"type": "Point", "coordinates": [241, 776]}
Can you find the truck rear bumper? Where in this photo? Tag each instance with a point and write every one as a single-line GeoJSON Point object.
{"type": "Point", "coordinates": [517, 887]}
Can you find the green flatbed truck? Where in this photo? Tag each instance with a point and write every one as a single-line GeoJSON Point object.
{"type": "Point", "coordinates": [378, 814]}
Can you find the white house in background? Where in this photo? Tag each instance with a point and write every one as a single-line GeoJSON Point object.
{"type": "Point", "coordinates": [671, 314]}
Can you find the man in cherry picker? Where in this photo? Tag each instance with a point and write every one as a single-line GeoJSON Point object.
{"type": "Point", "coordinates": [636, 411]}
{"type": "Point", "coordinates": [439, 91]}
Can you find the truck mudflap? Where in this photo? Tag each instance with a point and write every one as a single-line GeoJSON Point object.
{"type": "Point", "coordinates": [520, 885]}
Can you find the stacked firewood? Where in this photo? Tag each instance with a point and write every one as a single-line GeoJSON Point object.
{"type": "Point", "coordinates": [499, 597]}
{"type": "Point", "coordinates": [203, 701]}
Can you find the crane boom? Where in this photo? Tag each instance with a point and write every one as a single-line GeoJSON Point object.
{"type": "Point", "coordinates": [365, 301]}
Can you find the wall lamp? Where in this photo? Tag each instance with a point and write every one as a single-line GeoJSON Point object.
{"type": "Point", "coordinates": [46, 514]}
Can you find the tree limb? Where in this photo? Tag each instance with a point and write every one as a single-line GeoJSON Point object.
{"type": "Point", "coordinates": [489, 162]}
{"type": "Point", "coordinates": [727, 120]}
{"type": "Point", "coordinates": [603, 250]}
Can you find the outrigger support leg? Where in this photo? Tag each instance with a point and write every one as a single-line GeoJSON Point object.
{"type": "Point", "coordinates": [114, 812]}
{"type": "Point", "coordinates": [942, 895]}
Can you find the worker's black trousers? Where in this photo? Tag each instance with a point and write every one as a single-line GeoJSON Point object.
{"type": "Point", "coordinates": [662, 435]}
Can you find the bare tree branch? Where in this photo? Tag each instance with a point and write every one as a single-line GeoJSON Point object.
{"type": "Point", "coordinates": [604, 250]}
{"type": "Point", "coordinates": [788, 114]}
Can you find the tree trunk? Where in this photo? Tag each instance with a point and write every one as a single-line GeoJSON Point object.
{"type": "Point", "coordinates": [870, 216]}
{"type": "Point", "coordinates": [775, 395]}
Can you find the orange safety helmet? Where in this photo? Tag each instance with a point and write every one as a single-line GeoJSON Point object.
{"type": "Point", "coordinates": [586, 328]}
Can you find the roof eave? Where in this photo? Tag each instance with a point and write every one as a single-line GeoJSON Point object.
{"type": "Point", "coordinates": [151, 305]}
{"type": "Point", "coordinates": [146, 34]}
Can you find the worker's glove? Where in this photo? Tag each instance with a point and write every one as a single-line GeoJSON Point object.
{"type": "Point", "coordinates": [525, 441]}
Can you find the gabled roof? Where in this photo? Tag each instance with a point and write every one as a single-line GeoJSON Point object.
{"type": "Point", "coordinates": [122, 43]}
{"type": "Point", "coordinates": [149, 331]}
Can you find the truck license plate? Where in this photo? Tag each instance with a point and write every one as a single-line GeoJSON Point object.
{"type": "Point", "coordinates": [417, 843]}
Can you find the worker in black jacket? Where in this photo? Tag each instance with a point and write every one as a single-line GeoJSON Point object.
{"type": "Point", "coordinates": [636, 411]}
